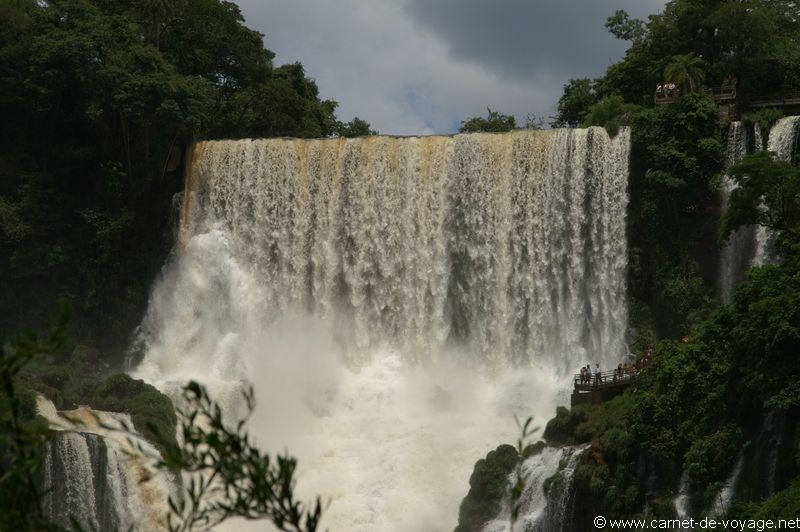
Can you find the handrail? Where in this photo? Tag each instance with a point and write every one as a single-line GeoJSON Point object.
{"type": "Point", "coordinates": [611, 378]}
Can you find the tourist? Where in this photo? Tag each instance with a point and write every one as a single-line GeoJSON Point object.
{"type": "Point", "coordinates": [583, 375]}
{"type": "Point", "coordinates": [598, 378]}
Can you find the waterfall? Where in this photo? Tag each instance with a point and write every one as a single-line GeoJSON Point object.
{"type": "Point", "coordinates": [682, 500]}
{"type": "Point", "coordinates": [544, 503]}
{"type": "Point", "coordinates": [723, 499]}
{"type": "Point", "coordinates": [782, 139]}
{"type": "Point", "coordinates": [737, 254]}
{"type": "Point", "coordinates": [758, 143]}
{"type": "Point", "coordinates": [394, 301]}
{"type": "Point", "coordinates": [97, 476]}
{"type": "Point", "coordinates": [750, 246]}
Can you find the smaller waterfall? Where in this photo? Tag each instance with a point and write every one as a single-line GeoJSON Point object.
{"type": "Point", "coordinates": [545, 500]}
{"type": "Point", "coordinates": [750, 246]}
{"type": "Point", "coordinates": [782, 140]}
{"type": "Point", "coordinates": [723, 499]}
{"type": "Point", "coordinates": [98, 475]}
{"type": "Point", "coordinates": [737, 254]}
{"type": "Point", "coordinates": [759, 138]}
{"type": "Point", "coordinates": [682, 502]}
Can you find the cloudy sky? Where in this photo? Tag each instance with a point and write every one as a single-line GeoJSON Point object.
{"type": "Point", "coordinates": [421, 66]}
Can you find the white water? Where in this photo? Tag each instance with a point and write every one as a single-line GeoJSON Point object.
{"type": "Point", "coordinates": [782, 139]}
{"type": "Point", "coordinates": [723, 499]}
{"type": "Point", "coordinates": [682, 500]}
{"type": "Point", "coordinates": [101, 474]}
{"type": "Point", "coordinates": [737, 254]}
{"type": "Point", "coordinates": [540, 511]}
{"type": "Point", "coordinates": [395, 301]}
{"type": "Point", "coordinates": [750, 246]}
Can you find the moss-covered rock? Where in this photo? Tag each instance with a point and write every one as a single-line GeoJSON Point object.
{"type": "Point", "coordinates": [487, 487]}
{"type": "Point", "coordinates": [77, 379]}
{"type": "Point", "coordinates": [561, 429]}
{"type": "Point", "coordinates": [533, 449]}
{"type": "Point", "coordinates": [152, 412]}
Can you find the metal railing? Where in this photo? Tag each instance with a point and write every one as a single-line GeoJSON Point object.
{"type": "Point", "coordinates": [604, 380]}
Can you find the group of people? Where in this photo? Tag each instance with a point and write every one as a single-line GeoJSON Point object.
{"type": "Point", "coordinates": [667, 89]}
{"type": "Point", "coordinates": [621, 372]}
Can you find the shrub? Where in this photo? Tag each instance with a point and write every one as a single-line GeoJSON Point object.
{"type": "Point", "coordinates": [487, 487]}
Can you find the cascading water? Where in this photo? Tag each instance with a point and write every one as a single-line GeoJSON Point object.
{"type": "Point", "coordinates": [782, 140]}
{"type": "Point", "coordinates": [97, 473]}
{"type": "Point", "coordinates": [750, 246]}
{"type": "Point", "coordinates": [758, 143]}
{"type": "Point", "coordinates": [682, 501]}
{"type": "Point", "coordinates": [737, 254]}
{"type": "Point", "coordinates": [394, 301]}
{"type": "Point", "coordinates": [722, 501]}
{"type": "Point", "coordinates": [544, 503]}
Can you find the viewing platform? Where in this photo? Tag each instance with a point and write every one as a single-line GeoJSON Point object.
{"type": "Point", "coordinates": [609, 385]}
{"type": "Point", "coordinates": [725, 97]}
{"type": "Point", "coordinates": [669, 93]}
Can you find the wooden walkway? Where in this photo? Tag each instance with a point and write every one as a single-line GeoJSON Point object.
{"type": "Point", "coordinates": [785, 100]}
{"type": "Point", "coordinates": [609, 384]}
{"type": "Point", "coordinates": [726, 94]}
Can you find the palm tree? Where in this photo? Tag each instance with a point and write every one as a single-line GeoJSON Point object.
{"type": "Point", "coordinates": [687, 71]}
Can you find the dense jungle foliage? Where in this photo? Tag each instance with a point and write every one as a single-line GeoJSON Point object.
{"type": "Point", "coordinates": [99, 98]}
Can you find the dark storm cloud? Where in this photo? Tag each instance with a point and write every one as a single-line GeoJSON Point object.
{"type": "Point", "coordinates": [529, 39]}
{"type": "Point", "coordinates": [421, 66]}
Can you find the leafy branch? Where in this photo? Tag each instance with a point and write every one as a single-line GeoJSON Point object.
{"type": "Point", "coordinates": [226, 476]}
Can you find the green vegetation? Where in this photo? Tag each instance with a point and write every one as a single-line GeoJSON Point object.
{"type": "Point", "coordinates": [686, 71]}
{"type": "Point", "coordinates": [768, 194]}
{"type": "Point", "coordinates": [22, 436]}
{"type": "Point", "coordinates": [74, 376]}
{"type": "Point", "coordinates": [573, 106]}
{"type": "Point", "coordinates": [99, 100]}
{"type": "Point", "coordinates": [494, 122]}
{"type": "Point", "coordinates": [488, 485]}
{"type": "Point", "coordinates": [228, 476]}
{"type": "Point", "coordinates": [764, 118]}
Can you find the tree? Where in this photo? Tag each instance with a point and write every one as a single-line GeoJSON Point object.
{"type": "Point", "coordinates": [22, 437]}
{"type": "Point", "coordinates": [354, 128]}
{"type": "Point", "coordinates": [687, 71]}
{"type": "Point", "coordinates": [533, 122]}
{"type": "Point", "coordinates": [625, 28]}
{"type": "Point", "coordinates": [494, 122]}
{"type": "Point", "coordinates": [611, 112]}
{"type": "Point", "coordinates": [768, 194]}
{"type": "Point", "coordinates": [574, 104]}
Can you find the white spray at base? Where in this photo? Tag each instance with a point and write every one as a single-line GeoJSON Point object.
{"type": "Point", "coordinates": [394, 301]}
